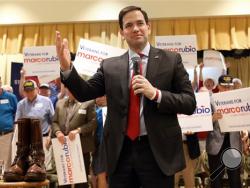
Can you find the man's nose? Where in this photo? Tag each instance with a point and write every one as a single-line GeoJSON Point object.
{"type": "Point", "coordinates": [135, 28]}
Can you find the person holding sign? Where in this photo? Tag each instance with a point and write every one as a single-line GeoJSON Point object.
{"type": "Point", "coordinates": [145, 88]}
{"type": "Point", "coordinates": [237, 83]}
{"type": "Point", "coordinates": [71, 118]}
{"type": "Point", "coordinates": [217, 143]}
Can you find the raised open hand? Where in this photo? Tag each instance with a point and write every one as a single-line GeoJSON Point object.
{"type": "Point", "coordinates": [63, 53]}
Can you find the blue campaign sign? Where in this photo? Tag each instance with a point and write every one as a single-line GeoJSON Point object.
{"type": "Point", "coordinates": [15, 78]}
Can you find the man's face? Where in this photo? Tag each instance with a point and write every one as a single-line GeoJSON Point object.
{"type": "Point", "coordinates": [209, 84]}
{"type": "Point", "coordinates": [225, 88]}
{"type": "Point", "coordinates": [31, 94]}
{"type": "Point", "coordinates": [135, 30]}
{"type": "Point", "coordinates": [44, 92]}
{"type": "Point", "coordinates": [237, 85]}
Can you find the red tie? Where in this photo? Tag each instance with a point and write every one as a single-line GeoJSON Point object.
{"type": "Point", "coordinates": [133, 129]}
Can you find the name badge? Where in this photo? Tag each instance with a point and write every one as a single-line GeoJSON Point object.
{"type": "Point", "coordinates": [4, 101]}
{"type": "Point", "coordinates": [82, 111]}
{"type": "Point", "coordinates": [39, 105]}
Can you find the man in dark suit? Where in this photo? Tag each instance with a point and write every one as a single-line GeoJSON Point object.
{"type": "Point", "coordinates": [149, 152]}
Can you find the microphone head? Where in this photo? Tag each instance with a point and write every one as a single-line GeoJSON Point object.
{"type": "Point", "coordinates": [136, 64]}
{"type": "Point", "coordinates": [136, 59]}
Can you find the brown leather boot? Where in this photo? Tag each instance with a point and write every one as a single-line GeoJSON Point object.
{"type": "Point", "coordinates": [20, 164]}
{"type": "Point", "coordinates": [36, 171]}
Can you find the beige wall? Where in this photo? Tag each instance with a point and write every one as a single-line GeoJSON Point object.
{"type": "Point", "coordinates": [42, 11]}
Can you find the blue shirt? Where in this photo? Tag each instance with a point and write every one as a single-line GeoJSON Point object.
{"type": "Point", "coordinates": [54, 92]}
{"type": "Point", "coordinates": [41, 108]}
{"type": "Point", "coordinates": [8, 105]}
{"type": "Point", "coordinates": [99, 129]}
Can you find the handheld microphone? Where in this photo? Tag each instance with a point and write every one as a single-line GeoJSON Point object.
{"type": "Point", "coordinates": [136, 64]}
{"type": "Point", "coordinates": [136, 67]}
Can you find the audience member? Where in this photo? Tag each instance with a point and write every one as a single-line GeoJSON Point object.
{"type": "Point", "coordinates": [44, 90]}
{"type": "Point", "coordinates": [99, 156]}
{"type": "Point", "coordinates": [7, 88]}
{"type": "Point", "coordinates": [39, 107]}
{"type": "Point", "coordinates": [218, 142]}
{"type": "Point", "coordinates": [71, 118]}
{"type": "Point", "coordinates": [8, 105]}
{"type": "Point", "coordinates": [237, 83]}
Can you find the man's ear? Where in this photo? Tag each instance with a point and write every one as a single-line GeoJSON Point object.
{"type": "Point", "coordinates": [121, 32]}
{"type": "Point", "coordinates": [149, 28]}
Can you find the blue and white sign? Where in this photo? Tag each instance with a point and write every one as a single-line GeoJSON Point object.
{"type": "Point", "coordinates": [69, 161]}
{"type": "Point", "coordinates": [201, 120]}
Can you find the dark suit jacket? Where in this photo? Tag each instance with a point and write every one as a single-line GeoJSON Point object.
{"type": "Point", "coordinates": [165, 71]}
{"type": "Point", "coordinates": [83, 117]}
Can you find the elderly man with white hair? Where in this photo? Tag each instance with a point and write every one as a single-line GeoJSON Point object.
{"type": "Point", "coordinates": [237, 83]}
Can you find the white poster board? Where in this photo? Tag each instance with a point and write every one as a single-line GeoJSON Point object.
{"type": "Point", "coordinates": [214, 65]}
{"type": "Point", "coordinates": [90, 54]}
{"type": "Point", "coordinates": [104, 114]}
{"type": "Point", "coordinates": [185, 45]}
{"type": "Point", "coordinates": [41, 61]}
{"type": "Point", "coordinates": [213, 58]}
{"type": "Point", "coordinates": [69, 161]}
{"type": "Point", "coordinates": [235, 108]}
{"type": "Point", "coordinates": [13, 142]}
{"type": "Point", "coordinates": [201, 120]}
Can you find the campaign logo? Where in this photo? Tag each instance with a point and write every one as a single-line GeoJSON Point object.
{"type": "Point", "coordinates": [202, 110]}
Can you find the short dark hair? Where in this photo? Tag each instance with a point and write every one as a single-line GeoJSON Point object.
{"type": "Point", "coordinates": [129, 9]}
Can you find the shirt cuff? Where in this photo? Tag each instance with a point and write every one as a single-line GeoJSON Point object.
{"type": "Point", "coordinates": [159, 97]}
{"type": "Point", "coordinates": [66, 73]}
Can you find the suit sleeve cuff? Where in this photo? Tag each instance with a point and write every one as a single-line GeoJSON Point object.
{"type": "Point", "coordinates": [66, 73]}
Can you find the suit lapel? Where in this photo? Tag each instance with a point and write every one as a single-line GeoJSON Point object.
{"type": "Point", "coordinates": [153, 64]}
{"type": "Point", "coordinates": [75, 110]}
{"type": "Point", "coordinates": [63, 117]}
{"type": "Point", "coordinates": [124, 75]}
{"type": "Point", "coordinates": [152, 67]}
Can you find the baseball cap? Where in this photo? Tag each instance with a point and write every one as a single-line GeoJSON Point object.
{"type": "Point", "coordinates": [29, 85]}
{"type": "Point", "coordinates": [44, 85]}
{"type": "Point", "coordinates": [225, 80]}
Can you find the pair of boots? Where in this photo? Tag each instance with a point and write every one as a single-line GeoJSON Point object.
{"type": "Point", "coordinates": [28, 164]}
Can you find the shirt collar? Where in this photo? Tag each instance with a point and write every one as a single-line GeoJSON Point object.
{"type": "Point", "coordinates": [145, 51]}
{"type": "Point", "coordinates": [70, 102]}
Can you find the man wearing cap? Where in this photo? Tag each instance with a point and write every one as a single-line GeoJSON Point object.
{"type": "Point", "coordinates": [44, 90]}
{"type": "Point", "coordinates": [35, 105]}
{"type": "Point", "coordinates": [40, 107]}
{"type": "Point", "coordinates": [217, 142]}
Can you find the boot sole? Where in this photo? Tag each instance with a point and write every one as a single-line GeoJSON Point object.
{"type": "Point", "coordinates": [9, 177]}
{"type": "Point", "coordinates": [31, 177]}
